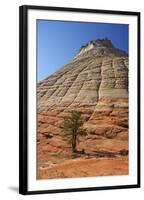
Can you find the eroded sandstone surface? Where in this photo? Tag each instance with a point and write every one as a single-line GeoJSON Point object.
{"type": "Point", "coordinates": [95, 83]}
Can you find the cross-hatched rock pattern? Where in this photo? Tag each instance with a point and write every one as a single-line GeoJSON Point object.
{"type": "Point", "coordinates": [86, 79]}
{"type": "Point", "coordinates": [94, 82]}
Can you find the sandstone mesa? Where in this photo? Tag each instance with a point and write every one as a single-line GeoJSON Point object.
{"type": "Point", "coordinates": [95, 83]}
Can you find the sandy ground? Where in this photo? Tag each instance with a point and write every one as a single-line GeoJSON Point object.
{"type": "Point", "coordinates": [82, 167]}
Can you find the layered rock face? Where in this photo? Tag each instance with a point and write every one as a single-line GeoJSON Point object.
{"type": "Point", "coordinates": [98, 71]}
{"type": "Point", "coordinates": [95, 83]}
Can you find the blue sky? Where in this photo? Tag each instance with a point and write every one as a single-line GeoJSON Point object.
{"type": "Point", "coordinates": [58, 42]}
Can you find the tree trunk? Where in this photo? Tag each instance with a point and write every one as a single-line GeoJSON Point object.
{"type": "Point", "coordinates": [74, 143]}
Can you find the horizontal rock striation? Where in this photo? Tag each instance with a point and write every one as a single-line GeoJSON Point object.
{"type": "Point", "coordinates": [86, 80]}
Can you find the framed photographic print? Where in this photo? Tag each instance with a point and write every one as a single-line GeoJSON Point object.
{"type": "Point", "coordinates": [79, 99]}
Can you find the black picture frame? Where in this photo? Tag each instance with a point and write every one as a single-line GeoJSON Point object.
{"type": "Point", "coordinates": [23, 98]}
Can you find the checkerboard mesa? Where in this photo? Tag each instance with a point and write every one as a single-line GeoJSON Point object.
{"type": "Point", "coordinates": [94, 83]}
{"type": "Point", "coordinates": [98, 71]}
{"type": "Point", "coordinates": [99, 48]}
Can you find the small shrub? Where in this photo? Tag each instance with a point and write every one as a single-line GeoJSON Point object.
{"type": "Point", "coordinates": [47, 135]}
{"type": "Point", "coordinates": [123, 152]}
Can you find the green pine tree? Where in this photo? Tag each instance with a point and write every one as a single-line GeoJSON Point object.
{"type": "Point", "coordinates": [73, 127]}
